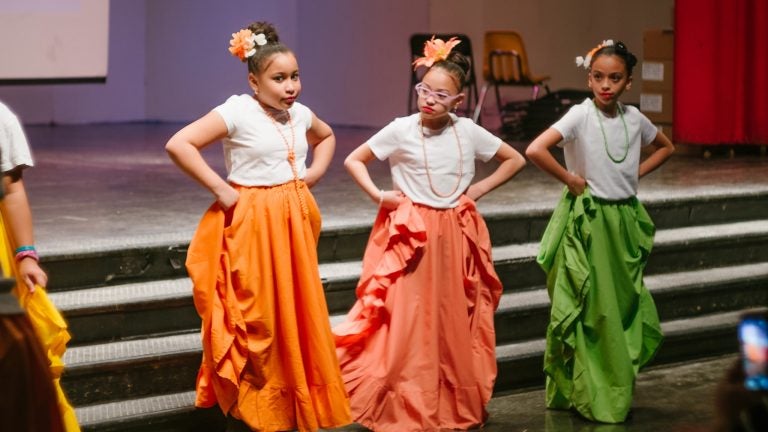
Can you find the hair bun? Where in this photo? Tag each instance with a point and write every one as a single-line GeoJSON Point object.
{"type": "Point", "coordinates": [265, 28]}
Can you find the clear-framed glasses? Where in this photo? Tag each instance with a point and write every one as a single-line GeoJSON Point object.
{"type": "Point", "coordinates": [439, 97]}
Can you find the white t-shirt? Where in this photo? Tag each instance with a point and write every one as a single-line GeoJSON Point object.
{"type": "Point", "coordinates": [14, 149]}
{"type": "Point", "coordinates": [585, 148]}
{"type": "Point", "coordinates": [254, 152]}
{"type": "Point", "coordinates": [401, 143]}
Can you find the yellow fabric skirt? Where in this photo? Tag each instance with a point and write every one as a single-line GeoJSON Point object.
{"type": "Point", "coordinates": [268, 353]}
{"type": "Point", "coordinates": [47, 321]}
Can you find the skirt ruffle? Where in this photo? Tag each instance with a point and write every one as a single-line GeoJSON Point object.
{"type": "Point", "coordinates": [268, 352]}
{"type": "Point", "coordinates": [603, 322]}
{"type": "Point", "coordinates": [417, 350]}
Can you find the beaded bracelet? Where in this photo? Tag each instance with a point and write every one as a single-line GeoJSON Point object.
{"type": "Point", "coordinates": [27, 254]}
{"type": "Point", "coordinates": [25, 251]}
{"type": "Point", "coordinates": [24, 248]}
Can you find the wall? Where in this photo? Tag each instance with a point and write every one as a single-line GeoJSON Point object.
{"type": "Point", "coordinates": [189, 70]}
{"type": "Point", "coordinates": [168, 59]}
{"type": "Point", "coordinates": [122, 98]}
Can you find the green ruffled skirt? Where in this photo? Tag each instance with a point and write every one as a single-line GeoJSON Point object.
{"type": "Point", "coordinates": [603, 323]}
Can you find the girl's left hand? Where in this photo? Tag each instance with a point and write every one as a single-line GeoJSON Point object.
{"type": "Point", "coordinates": [32, 275]}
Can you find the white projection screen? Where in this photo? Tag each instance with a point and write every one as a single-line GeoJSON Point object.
{"type": "Point", "coordinates": [53, 41]}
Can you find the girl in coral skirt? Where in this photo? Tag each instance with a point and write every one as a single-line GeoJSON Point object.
{"type": "Point", "coordinates": [417, 350]}
{"type": "Point", "coordinates": [268, 351]}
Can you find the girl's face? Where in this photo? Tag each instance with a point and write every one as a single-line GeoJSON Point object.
{"type": "Point", "coordinates": [278, 84]}
{"type": "Point", "coordinates": [438, 94]}
{"type": "Point", "coordinates": [608, 78]}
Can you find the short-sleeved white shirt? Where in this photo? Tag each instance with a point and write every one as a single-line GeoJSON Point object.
{"type": "Point", "coordinates": [14, 148]}
{"type": "Point", "coordinates": [585, 148]}
{"type": "Point", "coordinates": [254, 152]}
{"type": "Point", "coordinates": [401, 143]}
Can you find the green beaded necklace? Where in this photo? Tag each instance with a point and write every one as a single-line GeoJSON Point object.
{"type": "Point", "coordinates": [605, 139]}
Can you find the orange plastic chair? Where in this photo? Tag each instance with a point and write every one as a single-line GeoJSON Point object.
{"type": "Point", "coordinates": [465, 47]}
{"type": "Point", "coordinates": [505, 63]}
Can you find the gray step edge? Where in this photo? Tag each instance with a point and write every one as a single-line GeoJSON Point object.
{"type": "Point", "coordinates": [152, 347]}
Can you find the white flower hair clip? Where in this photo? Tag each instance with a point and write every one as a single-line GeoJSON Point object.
{"type": "Point", "coordinates": [586, 60]}
{"type": "Point", "coordinates": [260, 39]}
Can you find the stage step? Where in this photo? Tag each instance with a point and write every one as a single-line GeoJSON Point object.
{"type": "Point", "coordinates": [146, 366]}
{"type": "Point", "coordinates": [144, 258]}
{"type": "Point", "coordinates": [520, 366]}
{"type": "Point", "coordinates": [132, 310]}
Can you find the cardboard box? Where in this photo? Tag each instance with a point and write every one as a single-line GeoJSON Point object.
{"type": "Point", "coordinates": [658, 45]}
{"type": "Point", "coordinates": [657, 106]}
{"type": "Point", "coordinates": [657, 75]}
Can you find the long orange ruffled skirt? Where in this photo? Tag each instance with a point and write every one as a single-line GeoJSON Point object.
{"type": "Point", "coordinates": [417, 350]}
{"type": "Point", "coordinates": [47, 321]}
{"type": "Point", "coordinates": [268, 351]}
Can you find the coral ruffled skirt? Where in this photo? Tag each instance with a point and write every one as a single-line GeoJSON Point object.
{"type": "Point", "coordinates": [268, 352]}
{"type": "Point", "coordinates": [47, 322]}
{"type": "Point", "coordinates": [417, 350]}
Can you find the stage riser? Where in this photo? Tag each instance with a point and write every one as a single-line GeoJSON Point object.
{"type": "Point", "coordinates": [75, 271]}
{"type": "Point", "coordinates": [527, 371]}
{"type": "Point", "coordinates": [114, 322]}
{"type": "Point", "coordinates": [119, 381]}
{"type": "Point", "coordinates": [172, 373]}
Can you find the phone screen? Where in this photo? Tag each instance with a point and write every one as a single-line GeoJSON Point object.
{"type": "Point", "coordinates": [753, 335]}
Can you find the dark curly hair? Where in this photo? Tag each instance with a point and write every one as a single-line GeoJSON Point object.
{"type": "Point", "coordinates": [457, 65]}
{"type": "Point", "coordinates": [264, 52]}
{"type": "Point", "coordinates": [619, 50]}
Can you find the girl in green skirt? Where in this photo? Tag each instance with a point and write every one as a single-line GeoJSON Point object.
{"type": "Point", "coordinates": [603, 322]}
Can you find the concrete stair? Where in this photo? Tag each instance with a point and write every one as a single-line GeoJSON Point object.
{"type": "Point", "coordinates": [135, 353]}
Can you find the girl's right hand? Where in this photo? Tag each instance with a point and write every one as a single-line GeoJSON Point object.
{"type": "Point", "coordinates": [576, 184]}
{"type": "Point", "coordinates": [391, 199]}
{"type": "Point", "coordinates": [227, 197]}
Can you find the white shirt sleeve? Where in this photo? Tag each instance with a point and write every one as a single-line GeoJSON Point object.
{"type": "Point", "coordinates": [485, 143]}
{"type": "Point", "coordinates": [568, 124]}
{"type": "Point", "coordinates": [14, 148]}
{"type": "Point", "coordinates": [648, 131]}
{"type": "Point", "coordinates": [386, 141]}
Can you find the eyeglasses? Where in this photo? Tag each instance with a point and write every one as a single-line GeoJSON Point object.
{"type": "Point", "coordinates": [439, 97]}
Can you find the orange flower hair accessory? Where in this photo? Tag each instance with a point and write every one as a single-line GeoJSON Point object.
{"type": "Point", "coordinates": [587, 59]}
{"type": "Point", "coordinates": [243, 43]}
{"type": "Point", "coordinates": [435, 50]}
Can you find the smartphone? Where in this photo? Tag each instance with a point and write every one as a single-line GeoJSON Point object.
{"type": "Point", "coordinates": [753, 338]}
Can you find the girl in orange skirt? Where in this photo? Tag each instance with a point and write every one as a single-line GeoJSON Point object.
{"type": "Point", "coordinates": [417, 350]}
{"type": "Point", "coordinates": [268, 351]}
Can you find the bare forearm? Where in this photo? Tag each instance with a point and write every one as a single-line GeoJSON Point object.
{"type": "Point", "coordinates": [359, 172]}
{"type": "Point", "coordinates": [17, 214]}
{"type": "Point", "coordinates": [188, 158]}
{"type": "Point", "coordinates": [655, 160]}
{"type": "Point", "coordinates": [505, 171]}
{"type": "Point", "coordinates": [323, 154]}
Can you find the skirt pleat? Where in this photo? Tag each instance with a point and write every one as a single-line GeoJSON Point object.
{"type": "Point", "coordinates": [268, 353]}
{"type": "Point", "coordinates": [417, 350]}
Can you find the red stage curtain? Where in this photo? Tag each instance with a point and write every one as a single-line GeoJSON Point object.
{"type": "Point", "coordinates": [721, 71]}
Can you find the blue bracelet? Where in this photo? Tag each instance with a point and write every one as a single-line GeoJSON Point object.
{"type": "Point", "coordinates": [24, 248]}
